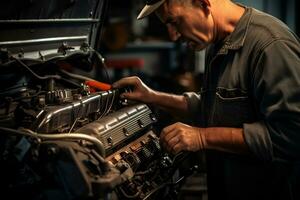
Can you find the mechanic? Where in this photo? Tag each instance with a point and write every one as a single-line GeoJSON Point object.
{"type": "Point", "coordinates": [248, 110]}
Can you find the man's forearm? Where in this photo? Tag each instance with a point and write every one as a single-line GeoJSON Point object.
{"type": "Point", "coordinates": [170, 102]}
{"type": "Point", "coordinates": [225, 139]}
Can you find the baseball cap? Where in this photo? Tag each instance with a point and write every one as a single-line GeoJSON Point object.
{"type": "Point", "coordinates": [150, 7]}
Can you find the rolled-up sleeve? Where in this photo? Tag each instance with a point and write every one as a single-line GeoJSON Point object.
{"type": "Point", "coordinates": [276, 88]}
{"type": "Point", "coordinates": [258, 139]}
{"type": "Point", "coordinates": [193, 101]}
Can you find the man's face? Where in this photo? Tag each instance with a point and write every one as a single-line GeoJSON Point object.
{"type": "Point", "coordinates": [191, 24]}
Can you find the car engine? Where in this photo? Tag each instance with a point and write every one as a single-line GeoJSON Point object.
{"type": "Point", "coordinates": [65, 138]}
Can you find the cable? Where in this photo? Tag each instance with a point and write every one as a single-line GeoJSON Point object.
{"type": "Point", "coordinates": [181, 156]}
{"type": "Point", "coordinates": [76, 76]}
{"type": "Point", "coordinates": [76, 118]}
{"type": "Point", "coordinates": [89, 81]}
{"type": "Point", "coordinates": [131, 196]}
{"type": "Point", "coordinates": [105, 108]}
{"type": "Point", "coordinates": [29, 97]}
{"type": "Point", "coordinates": [101, 59]}
{"type": "Point", "coordinates": [71, 82]}
{"type": "Point", "coordinates": [58, 136]}
{"type": "Point", "coordinates": [161, 187]}
{"type": "Point", "coordinates": [74, 123]}
{"type": "Point", "coordinates": [108, 108]}
{"type": "Point", "coordinates": [144, 172]}
{"type": "Point", "coordinates": [112, 102]}
{"type": "Point", "coordinates": [33, 73]}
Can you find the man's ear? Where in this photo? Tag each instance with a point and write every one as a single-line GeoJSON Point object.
{"type": "Point", "coordinates": [205, 4]}
{"type": "Point", "coordinates": [202, 3]}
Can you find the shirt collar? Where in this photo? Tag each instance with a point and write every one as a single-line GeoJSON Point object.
{"type": "Point", "coordinates": [236, 39]}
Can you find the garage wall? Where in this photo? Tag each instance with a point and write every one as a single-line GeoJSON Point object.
{"type": "Point", "coordinates": [282, 9]}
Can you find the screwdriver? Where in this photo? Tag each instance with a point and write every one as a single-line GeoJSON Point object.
{"type": "Point", "coordinates": [97, 85]}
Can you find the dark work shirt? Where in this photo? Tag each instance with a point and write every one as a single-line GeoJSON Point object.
{"type": "Point", "coordinates": [252, 81]}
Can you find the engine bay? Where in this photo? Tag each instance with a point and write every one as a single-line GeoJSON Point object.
{"type": "Point", "coordinates": [65, 133]}
{"type": "Point", "coordinates": [62, 138]}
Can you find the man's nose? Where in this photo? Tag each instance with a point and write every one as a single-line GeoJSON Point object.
{"type": "Point", "coordinates": [173, 33]}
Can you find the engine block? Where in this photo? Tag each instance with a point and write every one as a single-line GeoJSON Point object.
{"type": "Point", "coordinates": [59, 140]}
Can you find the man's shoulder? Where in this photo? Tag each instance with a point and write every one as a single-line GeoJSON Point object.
{"type": "Point", "coordinates": [265, 29]}
{"type": "Point", "coordinates": [269, 26]}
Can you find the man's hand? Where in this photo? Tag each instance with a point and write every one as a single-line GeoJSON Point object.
{"type": "Point", "coordinates": [141, 92]}
{"type": "Point", "coordinates": [181, 137]}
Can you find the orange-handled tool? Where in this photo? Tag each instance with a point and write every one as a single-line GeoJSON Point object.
{"type": "Point", "coordinates": [98, 85]}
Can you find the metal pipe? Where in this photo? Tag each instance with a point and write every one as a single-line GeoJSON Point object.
{"type": "Point", "coordinates": [44, 40]}
{"type": "Point", "coordinates": [49, 21]}
{"type": "Point", "coordinates": [58, 136]}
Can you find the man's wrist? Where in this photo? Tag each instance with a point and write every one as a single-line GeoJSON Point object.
{"type": "Point", "coordinates": [154, 97]}
{"type": "Point", "coordinates": [202, 138]}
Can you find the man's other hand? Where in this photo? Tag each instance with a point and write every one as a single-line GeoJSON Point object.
{"type": "Point", "coordinates": [181, 137]}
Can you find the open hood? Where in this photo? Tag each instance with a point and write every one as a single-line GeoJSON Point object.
{"type": "Point", "coordinates": [33, 28]}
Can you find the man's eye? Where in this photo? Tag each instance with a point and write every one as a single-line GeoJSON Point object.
{"type": "Point", "coordinates": [173, 23]}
